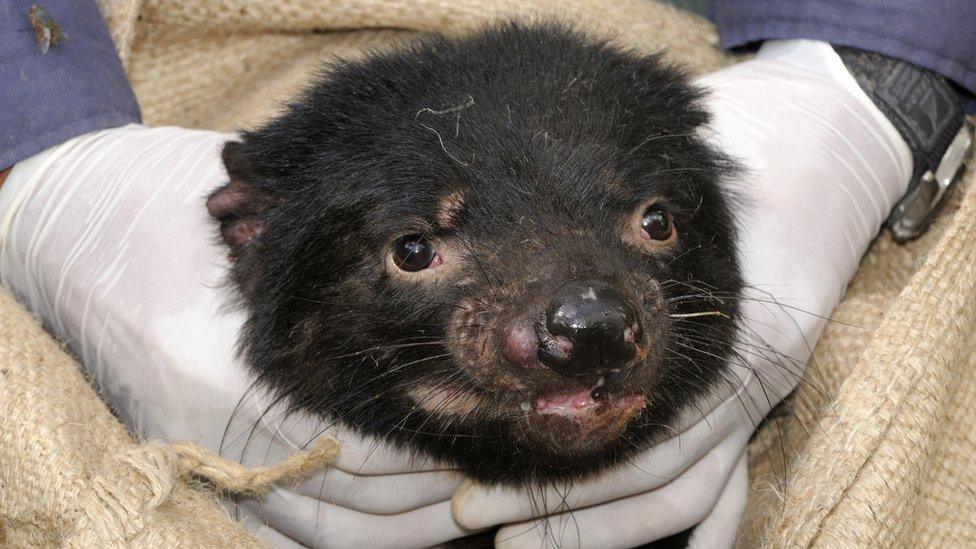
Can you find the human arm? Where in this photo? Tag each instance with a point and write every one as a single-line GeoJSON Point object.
{"type": "Point", "coordinates": [77, 85]}
{"type": "Point", "coordinates": [932, 34]}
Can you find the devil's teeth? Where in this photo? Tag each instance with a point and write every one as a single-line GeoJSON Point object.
{"type": "Point", "coordinates": [601, 381]}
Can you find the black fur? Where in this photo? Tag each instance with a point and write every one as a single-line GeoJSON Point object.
{"type": "Point", "coordinates": [555, 142]}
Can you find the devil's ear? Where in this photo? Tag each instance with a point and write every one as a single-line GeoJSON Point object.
{"type": "Point", "coordinates": [241, 205]}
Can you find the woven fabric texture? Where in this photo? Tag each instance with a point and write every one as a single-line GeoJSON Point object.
{"type": "Point", "coordinates": [875, 448]}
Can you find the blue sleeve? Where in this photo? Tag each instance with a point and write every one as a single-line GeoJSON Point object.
{"type": "Point", "coordinates": [76, 87]}
{"type": "Point", "coordinates": [939, 35]}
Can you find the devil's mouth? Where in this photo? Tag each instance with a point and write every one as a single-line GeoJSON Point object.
{"type": "Point", "coordinates": [583, 403]}
{"type": "Point", "coordinates": [586, 418]}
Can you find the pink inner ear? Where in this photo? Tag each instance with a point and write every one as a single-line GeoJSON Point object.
{"type": "Point", "coordinates": [239, 208]}
{"type": "Point", "coordinates": [229, 200]}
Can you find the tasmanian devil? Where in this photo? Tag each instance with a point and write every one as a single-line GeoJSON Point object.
{"type": "Point", "coordinates": [502, 251]}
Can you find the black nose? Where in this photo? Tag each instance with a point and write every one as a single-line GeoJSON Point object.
{"type": "Point", "coordinates": [599, 324]}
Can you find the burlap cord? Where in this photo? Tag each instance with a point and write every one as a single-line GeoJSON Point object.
{"type": "Point", "coordinates": [875, 449]}
{"type": "Point", "coordinates": [71, 475]}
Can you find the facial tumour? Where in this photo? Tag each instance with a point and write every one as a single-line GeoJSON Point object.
{"type": "Point", "coordinates": [511, 251]}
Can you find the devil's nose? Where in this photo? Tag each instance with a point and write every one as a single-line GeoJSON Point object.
{"type": "Point", "coordinates": [598, 322]}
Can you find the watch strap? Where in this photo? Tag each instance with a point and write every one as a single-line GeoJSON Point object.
{"type": "Point", "coordinates": [927, 112]}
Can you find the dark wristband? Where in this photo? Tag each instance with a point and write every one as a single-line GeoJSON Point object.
{"type": "Point", "coordinates": [927, 112]}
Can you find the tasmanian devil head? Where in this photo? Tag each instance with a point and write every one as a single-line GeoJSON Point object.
{"type": "Point", "coordinates": [511, 251]}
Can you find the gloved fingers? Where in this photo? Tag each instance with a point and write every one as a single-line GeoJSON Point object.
{"type": "Point", "coordinates": [371, 494]}
{"type": "Point", "coordinates": [477, 506]}
{"type": "Point", "coordinates": [847, 164]}
{"type": "Point", "coordinates": [719, 527]}
{"type": "Point", "coordinates": [315, 523]}
{"type": "Point", "coordinates": [634, 520]}
{"type": "Point", "coordinates": [272, 537]}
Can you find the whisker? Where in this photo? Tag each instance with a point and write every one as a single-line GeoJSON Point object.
{"type": "Point", "coordinates": [703, 313]}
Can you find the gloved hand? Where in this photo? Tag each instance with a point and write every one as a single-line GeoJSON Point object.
{"type": "Point", "coordinates": [823, 169]}
{"type": "Point", "coordinates": [108, 240]}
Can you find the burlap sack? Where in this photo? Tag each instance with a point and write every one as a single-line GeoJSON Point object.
{"type": "Point", "coordinates": [876, 448]}
{"type": "Point", "coordinates": [61, 451]}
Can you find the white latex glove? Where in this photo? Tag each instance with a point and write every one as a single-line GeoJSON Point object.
{"type": "Point", "coordinates": [108, 240]}
{"type": "Point", "coordinates": [824, 169]}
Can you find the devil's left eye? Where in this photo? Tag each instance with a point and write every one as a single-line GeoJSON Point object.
{"type": "Point", "coordinates": [414, 253]}
{"type": "Point", "coordinates": [656, 223]}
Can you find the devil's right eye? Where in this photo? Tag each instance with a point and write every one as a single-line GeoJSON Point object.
{"type": "Point", "coordinates": [656, 224]}
{"type": "Point", "coordinates": [415, 253]}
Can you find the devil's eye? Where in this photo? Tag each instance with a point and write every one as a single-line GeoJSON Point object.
{"type": "Point", "coordinates": [414, 253]}
{"type": "Point", "coordinates": [656, 223]}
